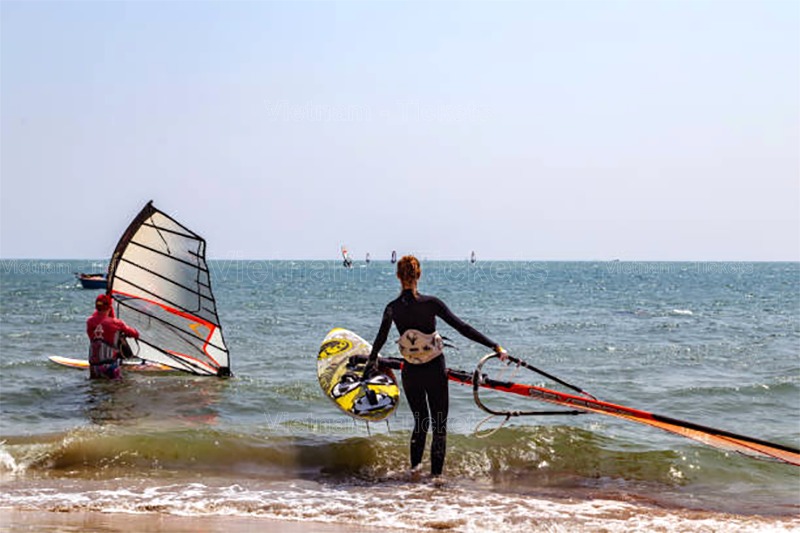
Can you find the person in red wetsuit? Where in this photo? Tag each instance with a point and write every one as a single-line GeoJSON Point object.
{"type": "Point", "coordinates": [104, 331]}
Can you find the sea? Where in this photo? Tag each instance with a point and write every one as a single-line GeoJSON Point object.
{"type": "Point", "coordinates": [715, 343]}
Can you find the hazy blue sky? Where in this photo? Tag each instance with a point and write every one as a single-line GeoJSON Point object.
{"type": "Point", "coordinates": [522, 130]}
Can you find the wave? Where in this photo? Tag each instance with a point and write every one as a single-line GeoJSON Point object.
{"type": "Point", "coordinates": [395, 505]}
{"type": "Point", "coordinates": [509, 451]}
{"type": "Point", "coordinates": [537, 456]}
{"type": "Point", "coordinates": [553, 463]}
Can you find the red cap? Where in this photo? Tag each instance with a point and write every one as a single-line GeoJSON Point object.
{"type": "Point", "coordinates": [103, 300]}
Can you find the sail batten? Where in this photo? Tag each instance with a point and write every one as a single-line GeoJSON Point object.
{"type": "Point", "coordinates": [160, 281]}
{"type": "Point", "coordinates": [183, 334]}
{"type": "Point", "coordinates": [157, 297]}
{"type": "Point", "coordinates": [168, 230]}
{"type": "Point", "coordinates": [171, 281]}
{"type": "Point", "coordinates": [159, 252]}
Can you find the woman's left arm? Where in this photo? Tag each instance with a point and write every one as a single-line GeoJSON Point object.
{"type": "Point", "coordinates": [462, 327]}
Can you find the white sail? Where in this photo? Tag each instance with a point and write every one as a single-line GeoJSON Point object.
{"type": "Point", "coordinates": [160, 282]}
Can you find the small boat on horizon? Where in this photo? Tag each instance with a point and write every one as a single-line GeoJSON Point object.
{"type": "Point", "coordinates": [97, 280]}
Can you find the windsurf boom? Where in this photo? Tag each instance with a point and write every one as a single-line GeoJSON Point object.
{"type": "Point", "coordinates": [583, 402]}
{"type": "Point", "coordinates": [160, 282]}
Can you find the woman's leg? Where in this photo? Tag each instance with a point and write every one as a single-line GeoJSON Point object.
{"type": "Point", "coordinates": [439, 401]}
{"type": "Point", "coordinates": [414, 387]}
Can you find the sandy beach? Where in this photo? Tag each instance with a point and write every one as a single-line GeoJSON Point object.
{"type": "Point", "coordinates": [17, 520]}
{"type": "Point", "coordinates": [14, 521]}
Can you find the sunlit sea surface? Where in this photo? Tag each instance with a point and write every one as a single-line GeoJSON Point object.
{"type": "Point", "coordinates": [714, 343]}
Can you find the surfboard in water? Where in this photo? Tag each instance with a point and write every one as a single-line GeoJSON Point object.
{"type": "Point", "coordinates": [161, 285]}
{"type": "Point", "coordinates": [137, 365]}
{"type": "Point", "coordinates": [371, 400]}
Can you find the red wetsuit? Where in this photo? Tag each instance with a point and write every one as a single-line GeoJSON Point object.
{"type": "Point", "coordinates": [104, 333]}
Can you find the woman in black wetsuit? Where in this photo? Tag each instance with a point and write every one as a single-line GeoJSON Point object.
{"type": "Point", "coordinates": [424, 374]}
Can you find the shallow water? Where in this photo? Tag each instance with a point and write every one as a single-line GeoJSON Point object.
{"type": "Point", "coordinates": [713, 343]}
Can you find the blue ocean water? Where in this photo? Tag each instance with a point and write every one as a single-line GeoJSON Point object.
{"type": "Point", "coordinates": [713, 343]}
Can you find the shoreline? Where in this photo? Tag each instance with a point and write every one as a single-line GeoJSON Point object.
{"type": "Point", "coordinates": [15, 520]}
{"type": "Point", "coordinates": [18, 520]}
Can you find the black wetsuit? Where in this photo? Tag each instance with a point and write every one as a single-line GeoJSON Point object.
{"type": "Point", "coordinates": [425, 385]}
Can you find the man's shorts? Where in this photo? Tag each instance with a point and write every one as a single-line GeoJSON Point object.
{"type": "Point", "coordinates": [106, 371]}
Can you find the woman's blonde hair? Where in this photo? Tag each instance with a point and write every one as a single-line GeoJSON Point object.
{"type": "Point", "coordinates": [408, 269]}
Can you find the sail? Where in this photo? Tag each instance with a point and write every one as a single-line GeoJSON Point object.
{"type": "Point", "coordinates": [160, 282]}
{"type": "Point", "coordinates": [707, 435]}
{"type": "Point", "coordinates": [718, 438]}
{"type": "Point", "coordinates": [346, 261]}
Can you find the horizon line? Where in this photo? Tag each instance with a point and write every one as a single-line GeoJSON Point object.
{"type": "Point", "coordinates": [457, 260]}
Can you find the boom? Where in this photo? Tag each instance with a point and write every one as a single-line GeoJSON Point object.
{"type": "Point", "coordinates": [583, 402]}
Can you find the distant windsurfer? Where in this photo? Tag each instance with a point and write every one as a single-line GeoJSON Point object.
{"type": "Point", "coordinates": [105, 332]}
{"type": "Point", "coordinates": [425, 374]}
{"type": "Point", "coordinates": [346, 261]}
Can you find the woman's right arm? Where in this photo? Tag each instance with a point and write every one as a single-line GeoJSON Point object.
{"type": "Point", "coordinates": [383, 334]}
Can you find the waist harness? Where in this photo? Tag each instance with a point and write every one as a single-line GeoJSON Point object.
{"type": "Point", "coordinates": [418, 348]}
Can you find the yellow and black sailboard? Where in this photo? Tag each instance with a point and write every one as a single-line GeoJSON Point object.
{"type": "Point", "coordinates": [340, 377]}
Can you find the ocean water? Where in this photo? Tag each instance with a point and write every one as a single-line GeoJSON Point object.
{"type": "Point", "coordinates": [713, 343]}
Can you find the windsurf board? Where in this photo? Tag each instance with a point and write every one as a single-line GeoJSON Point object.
{"type": "Point", "coordinates": [372, 399]}
{"type": "Point", "coordinates": [135, 365]}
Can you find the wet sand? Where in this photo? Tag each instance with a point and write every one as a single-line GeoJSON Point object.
{"type": "Point", "coordinates": [18, 521]}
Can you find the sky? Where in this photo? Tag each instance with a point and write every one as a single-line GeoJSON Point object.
{"type": "Point", "coordinates": [540, 130]}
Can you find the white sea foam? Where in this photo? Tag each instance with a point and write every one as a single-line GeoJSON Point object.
{"type": "Point", "coordinates": [7, 462]}
{"type": "Point", "coordinates": [394, 505]}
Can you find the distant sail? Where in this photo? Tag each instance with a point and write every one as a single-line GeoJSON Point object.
{"type": "Point", "coordinates": [346, 261]}
{"type": "Point", "coordinates": [367, 258]}
{"type": "Point", "coordinates": [394, 256]}
{"type": "Point", "coordinates": [160, 281]}
{"type": "Point", "coordinates": [472, 257]}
